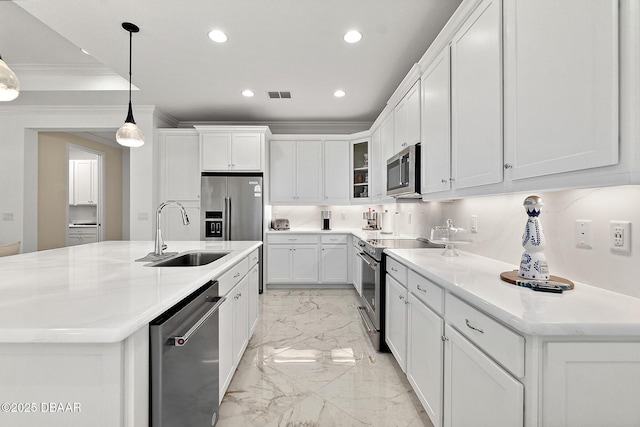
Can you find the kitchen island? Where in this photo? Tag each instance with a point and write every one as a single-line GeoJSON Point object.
{"type": "Point", "coordinates": [74, 340]}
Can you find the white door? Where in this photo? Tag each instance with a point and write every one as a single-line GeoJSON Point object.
{"type": "Point", "coordinates": [413, 114]}
{"type": "Point", "coordinates": [226, 353]}
{"type": "Point", "coordinates": [305, 264]}
{"type": "Point", "coordinates": [477, 391]}
{"type": "Point", "coordinates": [246, 152]}
{"type": "Point", "coordinates": [279, 267]}
{"type": "Point", "coordinates": [357, 271]}
{"type": "Point", "coordinates": [334, 264]}
{"type": "Point", "coordinates": [240, 298]}
{"type": "Point", "coordinates": [476, 80]}
{"type": "Point", "coordinates": [282, 171]}
{"type": "Point", "coordinates": [436, 125]}
{"type": "Point", "coordinates": [309, 172]}
{"type": "Point", "coordinates": [396, 321]}
{"type": "Point", "coordinates": [215, 151]}
{"type": "Point", "coordinates": [336, 172]}
{"type": "Point", "coordinates": [253, 293]}
{"type": "Point", "coordinates": [561, 86]}
{"type": "Point", "coordinates": [425, 358]}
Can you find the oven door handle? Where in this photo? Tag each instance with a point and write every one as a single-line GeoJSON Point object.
{"type": "Point", "coordinates": [366, 322]}
{"type": "Point", "coordinates": [369, 263]}
{"type": "Point", "coordinates": [181, 340]}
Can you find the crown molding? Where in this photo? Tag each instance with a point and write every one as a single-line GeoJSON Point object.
{"type": "Point", "coordinates": [294, 127]}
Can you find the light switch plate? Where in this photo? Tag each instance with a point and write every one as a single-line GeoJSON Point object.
{"type": "Point", "coordinates": [583, 233]}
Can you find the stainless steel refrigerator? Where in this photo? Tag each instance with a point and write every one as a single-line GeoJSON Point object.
{"type": "Point", "coordinates": [231, 208]}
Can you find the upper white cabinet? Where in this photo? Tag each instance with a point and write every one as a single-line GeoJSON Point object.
{"type": "Point", "coordinates": [436, 125]}
{"type": "Point", "coordinates": [360, 168]}
{"type": "Point", "coordinates": [295, 171]}
{"type": "Point", "coordinates": [561, 86]}
{"type": "Point", "coordinates": [476, 105]}
{"type": "Point", "coordinates": [232, 148]}
{"type": "Point", "coordinates": [407, 119]}
{"type": "Point", "coordinates": [83, 182]}
{"type": "Point", "coordinates": [231, 152]}
{"type": "Point", "coordinates": [336, 172]}
{"type": "Point", "coordinates": [180, 164]}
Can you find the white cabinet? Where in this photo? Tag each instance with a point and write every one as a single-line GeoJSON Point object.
{"type": "Point", "coordinates": [292, 258]}
{"type": "Point", "coordinates": [231, 151]}
{"type": "Point", "coordinates": [396, 320]}
{"type": "Point", "coordinates": [561, 86]}
{"type": "Point", "coordinates": [436, 125]}
{"type": "Point", "coordinates": [336, 171]}
{"type": "Point", "coordinates": [407, 119]}
{"type": "Point", "coordinates": [360, 168]}
{"type": "Point", "coordinates": [334, 259]}
{"type": "Point", "coordinates": [237, 315]}
{"type": "Point", "coordinates": [82, 235]}
{"type": "Point", "coordinates": [295, 171]}
{"type": "Point", "coordinates": [476, 105]}
{"type": "Point", "coordinates": [179, 164]}
{"type": "Point", "coordinates": [425, 357]}
{"type": "Point", "coordinates": [578, 380]}
{"type": "Point", "coordinates": [83, 182]}
{"type": "Point", "coordinates": [478, 391]}
{"type": "Point", "coordinates": [253, 292]}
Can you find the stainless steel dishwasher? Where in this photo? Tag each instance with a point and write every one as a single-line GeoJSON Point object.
{"type": "Point", "coordinates": [184, 361]}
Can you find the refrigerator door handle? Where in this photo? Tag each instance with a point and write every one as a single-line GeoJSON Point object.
{"type": "Point", "coordinates": [227, 219]}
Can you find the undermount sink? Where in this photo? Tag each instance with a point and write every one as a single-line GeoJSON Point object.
{"type": "Point", "coordinates": [190, 259]}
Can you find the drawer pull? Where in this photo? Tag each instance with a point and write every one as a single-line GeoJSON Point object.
{"type": "Point", "coordinates": [293, 240]}
{"type": "Point", "coordinates": [394, 269]}
{"type": "Point", "coordinates": [473, 327]}
{"type": "Point", "coordinates": [236, 275]}
{"type": "Point", "coordinates": [423, 290]}
{"type": "Point", "coordinates": [401, 297]}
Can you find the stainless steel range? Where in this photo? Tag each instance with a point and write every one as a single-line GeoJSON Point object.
{"type": "Point", "coordinates": [372, 278]}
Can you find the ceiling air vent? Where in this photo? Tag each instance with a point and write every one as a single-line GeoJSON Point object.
{"type": "Point", "coordinates": [279, 95]}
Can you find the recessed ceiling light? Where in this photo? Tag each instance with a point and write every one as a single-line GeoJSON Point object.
{"type": "Point", "coordinates": [248, 93]}
{"type": "Point", "coordinates": [339, 93]}
{"type": "Point", "coordinates": [353, 36]}
{"type": "Point", "coordinates": [218, 36]}
{"type": "Point", "coordinates": [85, 52]}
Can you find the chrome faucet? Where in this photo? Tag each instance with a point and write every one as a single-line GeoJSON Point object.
{"type": "Point", "coordinates": [160, 245]}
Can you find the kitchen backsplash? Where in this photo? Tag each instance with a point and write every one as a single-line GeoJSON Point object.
{"type": "Point", "coordinates": [501, 221]}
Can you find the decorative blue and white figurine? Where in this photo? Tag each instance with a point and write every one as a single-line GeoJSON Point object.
{"type": "Point", "coordinates": [533, 264]}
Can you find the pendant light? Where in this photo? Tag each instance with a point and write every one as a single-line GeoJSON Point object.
{"type": "Point", "coordinates": [9, 84]}
{"type": "Point", "coordinates": [129, 134]}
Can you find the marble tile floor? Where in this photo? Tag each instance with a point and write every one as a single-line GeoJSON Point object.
{"type": "Point", "coordinates": [310, 363]}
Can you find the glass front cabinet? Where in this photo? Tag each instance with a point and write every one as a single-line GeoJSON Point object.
{"type": "Point", "coordinates": [360, 165]}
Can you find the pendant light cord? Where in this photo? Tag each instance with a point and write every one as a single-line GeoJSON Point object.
{"type": "Point", "coordinates": [130, 59]}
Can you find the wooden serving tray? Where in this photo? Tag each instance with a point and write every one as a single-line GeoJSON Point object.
{"type": "Point", "coordinates": [512, 276]}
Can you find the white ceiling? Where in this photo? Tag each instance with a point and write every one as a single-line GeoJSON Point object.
{"type": "Point", "coordinates": [283, 45]}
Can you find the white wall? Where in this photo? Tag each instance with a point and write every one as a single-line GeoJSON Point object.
{"type": "Point", "coordinates": [501, 221]}
{"type": "Point", "coordinates": [18, 163]}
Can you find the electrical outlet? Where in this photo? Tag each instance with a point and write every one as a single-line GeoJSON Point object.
{"type": "Point", "coordinates": [143, 216]}
{"type": "Point", "coordinates": [620, 232]}
{"type": "Point", "coordinates": [583, 233]}
{"type": "Point", "coordinates": [474, 223]}
{"type": "Point", "coordinates": [7, 216]}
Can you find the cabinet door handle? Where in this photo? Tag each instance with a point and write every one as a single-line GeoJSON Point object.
{"type": "Point", "coordinates": [423, 290]}
{"type": "Point", "coordinates": [401, 297]}
{"type": "Point", "coordinates": [473, 327]}
{"type": "Point", "coordinates": [394, 269]}
{"type": "Point", "coordinates": [292, 240]}
{"type": "Point", "coordinates": [444, 338]}
{"type": "Point", "coordinates": [236, 275]}
{"type": "Point", "coordinates": [508, 166]}
{"type": "Point", "coordinates": [444, 181]}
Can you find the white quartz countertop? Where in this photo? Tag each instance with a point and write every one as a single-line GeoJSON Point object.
{"type": "Point", "coordinates": [97, 293]}
{"type": "Point", "coordinates": [585, 310]}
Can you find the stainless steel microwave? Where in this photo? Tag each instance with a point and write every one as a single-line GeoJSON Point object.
{"type": "Point", "coordinates": [403, 173]}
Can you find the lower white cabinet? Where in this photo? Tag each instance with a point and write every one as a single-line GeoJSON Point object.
{"type": "Point", "coordinates": [478, 391]}
{"type": "Point", "coordinates": [82, 235]}
{"type": "Point", "coordinates": [425, 352]}
{"type": "Point", "coordinates": [307, 258]}
{"type": "Point", "coordinates": [591, 384]}
{"type": "Point", "coordinates": [356, 267]}
{"type": "Point", "coordinates": [238, 316]}
{"type": "Point", "coordinates": [396, 320]}
{"type": "Point", "coordinates": [254, 302]}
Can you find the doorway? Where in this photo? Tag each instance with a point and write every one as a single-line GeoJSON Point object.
{"type": "Point", "coordinates": [85, 194]}
{"type": "Point", "coordinates": [55, 203]}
